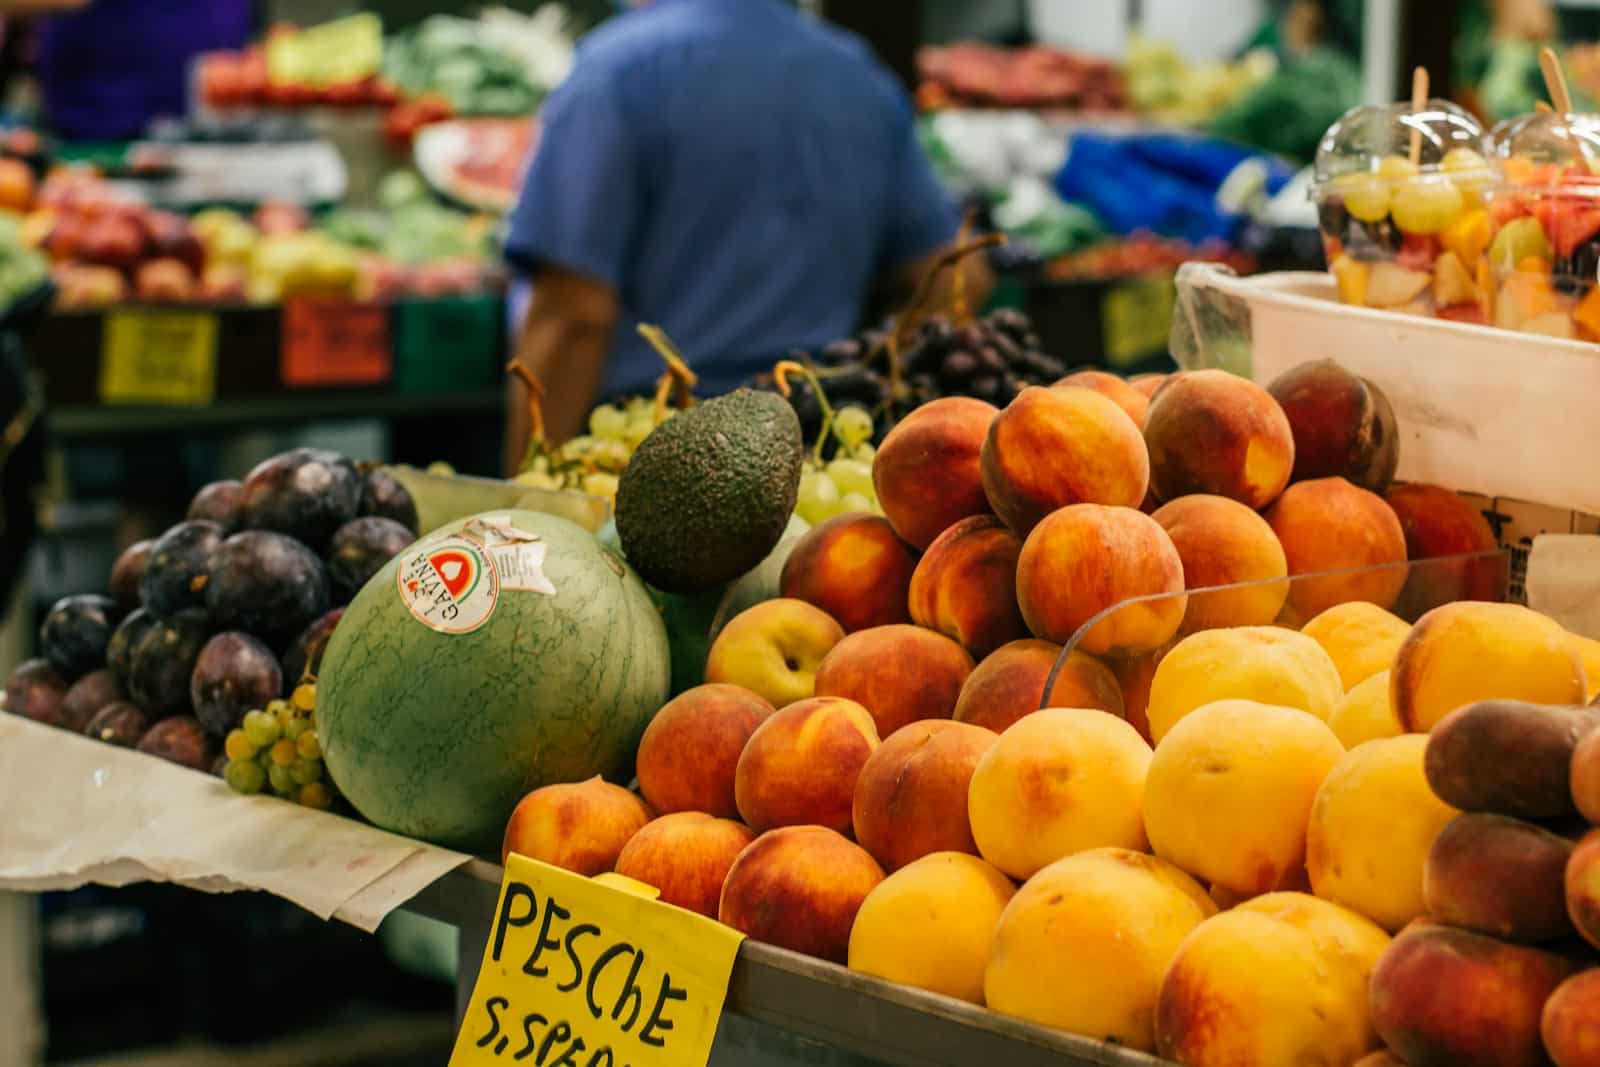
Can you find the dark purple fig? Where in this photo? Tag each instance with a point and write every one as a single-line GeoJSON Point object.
{"type": "Point", "coordinates": [306, 493]}
{"type": "Point", "coordinates": [305, 652]}
{"type": "Point", "coordinates": [36, 691]}
{"type": "Point", "coordinates": [119, 650]}
{"type": "Point", "coordinates": [266, 584]}
{"type": "Point", "coordinates": [86, 697]}
{"type": "Point", "coordinates": [176, 576]}
{"type": "Point", "coordinates": [220, 502]}
{"type": "Point", "coordinates": [120, 724]}
{"type": "Point", "coordinates": [128, 572]}
{"type": "Point", "coordinates": [359, 550]}
{"type": "Point", "coordinates": [75, 633]}
{"type": "Point", "coordinates": [180, 740]}
{"type": "Point", "coordinates": [234, 674]}
{"type": "Point", "coordinates": [383, 496]}
{"type": "Point", "coordinates": [163, 663]}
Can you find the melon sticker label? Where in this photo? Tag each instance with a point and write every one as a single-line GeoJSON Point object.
{"type": "Point", "coordinates": [451, 586]}
{"type": "Point", "coordinates": [518, 555]}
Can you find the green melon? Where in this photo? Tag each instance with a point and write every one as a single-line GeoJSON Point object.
{"type": "Point", "coordinates": [437, 734]}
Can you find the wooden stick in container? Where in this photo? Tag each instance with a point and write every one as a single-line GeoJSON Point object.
{"type": "Point", "coordinates": [1419, 100]}
{"type": "Point", "coordinates": [1555, 82]}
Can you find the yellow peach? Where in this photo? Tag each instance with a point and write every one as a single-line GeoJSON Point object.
{"type": "Point", "coordinates": [1371, 827]}
{"type": "Point", "coordinates": [1059, 781]}
{"type": "Point", "coordinates": [1471, 650]}
{"type": "Point", "coordinates": [1365, 713]}
{"type": "Point", "coordinates": [1270, 985]}
{"type": "Point", "coordinates": [1083, 946]}
{"type": "Point", "coordinates": [931, 924]}
{"type": "Point", "coordinates": [1359, 637]}
{"type": "Point", "coordinates": [1230, 788]}
{"type": "Point", "coordinates": [1266, 664]}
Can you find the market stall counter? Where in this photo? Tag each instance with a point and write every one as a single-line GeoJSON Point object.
{"type": "Point", "coordinates": [107, 816]}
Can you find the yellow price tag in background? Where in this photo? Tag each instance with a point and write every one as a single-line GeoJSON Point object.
{"type": "Point", "coordinates": [332, 53]}
{"type": "Point", "coordinates": [1136, 319]}
{"type": "Point", "coordinates": [581, 973]}
{"type": "Point", "coordinates": [158, 357]}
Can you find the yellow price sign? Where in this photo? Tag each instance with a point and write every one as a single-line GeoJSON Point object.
{"type": "Point", "coordinates": [1136, 319]}
{"type": "Point", "coordinates": [158, 357]}
{"type": "Point", "coordinates": [333, 53]}
{"type": "Point", "coordinates": [583, 972]}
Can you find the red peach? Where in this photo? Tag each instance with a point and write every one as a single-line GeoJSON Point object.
{"type": "Point", "coordinates": [1120, 392]}
{"type": "Point", "coordinates": [854, 568]}
{"type": "Point", "coordinates": [900, 674]}
{"type": "Point", "coordinates": [1054, 447]}
{"type": "Point", "coordinates": [799, 887]}
{"type": "Point", "coordinates": [1085, 559]}
{"type": "Point", "coordinates": [580, 827]}
{"type": "Point", "coordinates": [686, 856]}
{"type": "Point", "coordinates": [965, 585]}
{"type": "Point", "coordinates": [1010, 684]}
{"type": "Point", "coordinates": [1213, 432]}
{"type": "Point", "coordinates": [689, 751]}
{"type": "Point", "coordinates": [911, 798]}
{"type": "Point", "coordinates": [1330, 525]}
{"type": "Point", "coordinates": [800, 766]}
{"type": "Point", "coordinates": [926, 470]}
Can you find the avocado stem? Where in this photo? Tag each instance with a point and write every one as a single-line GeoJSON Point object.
{"type": "Point", "coordinates": [780, 374]}
{"type": "Point", "coordinates": [678, 371]}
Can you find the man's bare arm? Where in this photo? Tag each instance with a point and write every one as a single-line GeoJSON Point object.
{"type": "Point", "coordinates": [564, 342]}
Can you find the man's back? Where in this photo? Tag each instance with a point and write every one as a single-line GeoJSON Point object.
{"type": "Point", "coordinates": [738, 173]}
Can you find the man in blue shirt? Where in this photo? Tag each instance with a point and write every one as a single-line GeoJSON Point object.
{"type": "Point", "coordinates": [730, 170]}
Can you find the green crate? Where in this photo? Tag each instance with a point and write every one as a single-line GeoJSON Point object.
{"type": "Point", "coordinates": [448, 344]}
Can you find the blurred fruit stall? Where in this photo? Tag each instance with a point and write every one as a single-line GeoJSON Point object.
{"type": "Point", "coordinates": [293, 249]}
{"type": "Point", "coordinates": [984, 704]}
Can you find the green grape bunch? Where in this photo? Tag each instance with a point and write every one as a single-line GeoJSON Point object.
{"type": "Point", "coordinates": [276, 748]}
{"type": "Point", "coordinates": [842, 484]}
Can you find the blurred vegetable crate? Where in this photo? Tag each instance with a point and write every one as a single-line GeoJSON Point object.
{"type": "Point", "coordinates": [191, 356]}
{"type": "Point", "coordinates": [448, 344]}
{"type": "Point", "coordinates": [1120, 324]}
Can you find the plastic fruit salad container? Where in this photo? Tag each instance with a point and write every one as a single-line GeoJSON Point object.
{"type": "Point", "coordinates": [1544, 247]}
{"type": "Point", "coordinates": [1402, 235]}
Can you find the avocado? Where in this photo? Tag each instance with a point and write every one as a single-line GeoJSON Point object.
{"type": "Point", "coordinates": [706, 496]}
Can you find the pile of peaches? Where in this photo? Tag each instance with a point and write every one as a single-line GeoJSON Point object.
{"type": "Point", "coordinates": [1203, 843]}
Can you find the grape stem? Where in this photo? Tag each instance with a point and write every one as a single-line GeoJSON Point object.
{"type": "Point", "coordinates": [536, 443]}
{"type": "Point", "coordinates": [678, 372]}
{"type": "Point", "coordinates": [780, 375]}
{"type": "Point", "coordinates": [911, 314]}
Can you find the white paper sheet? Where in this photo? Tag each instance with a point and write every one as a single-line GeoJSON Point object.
{"type": "Point", "coordinates": [1564, 580]}
{"type": "Point", "coordinates": [75, 811]}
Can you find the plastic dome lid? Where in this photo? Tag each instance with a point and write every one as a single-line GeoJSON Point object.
{"type": "Point", "coordinates": [1364, 137]}
{"type": "Point", "coordinates": [1529, 145]}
